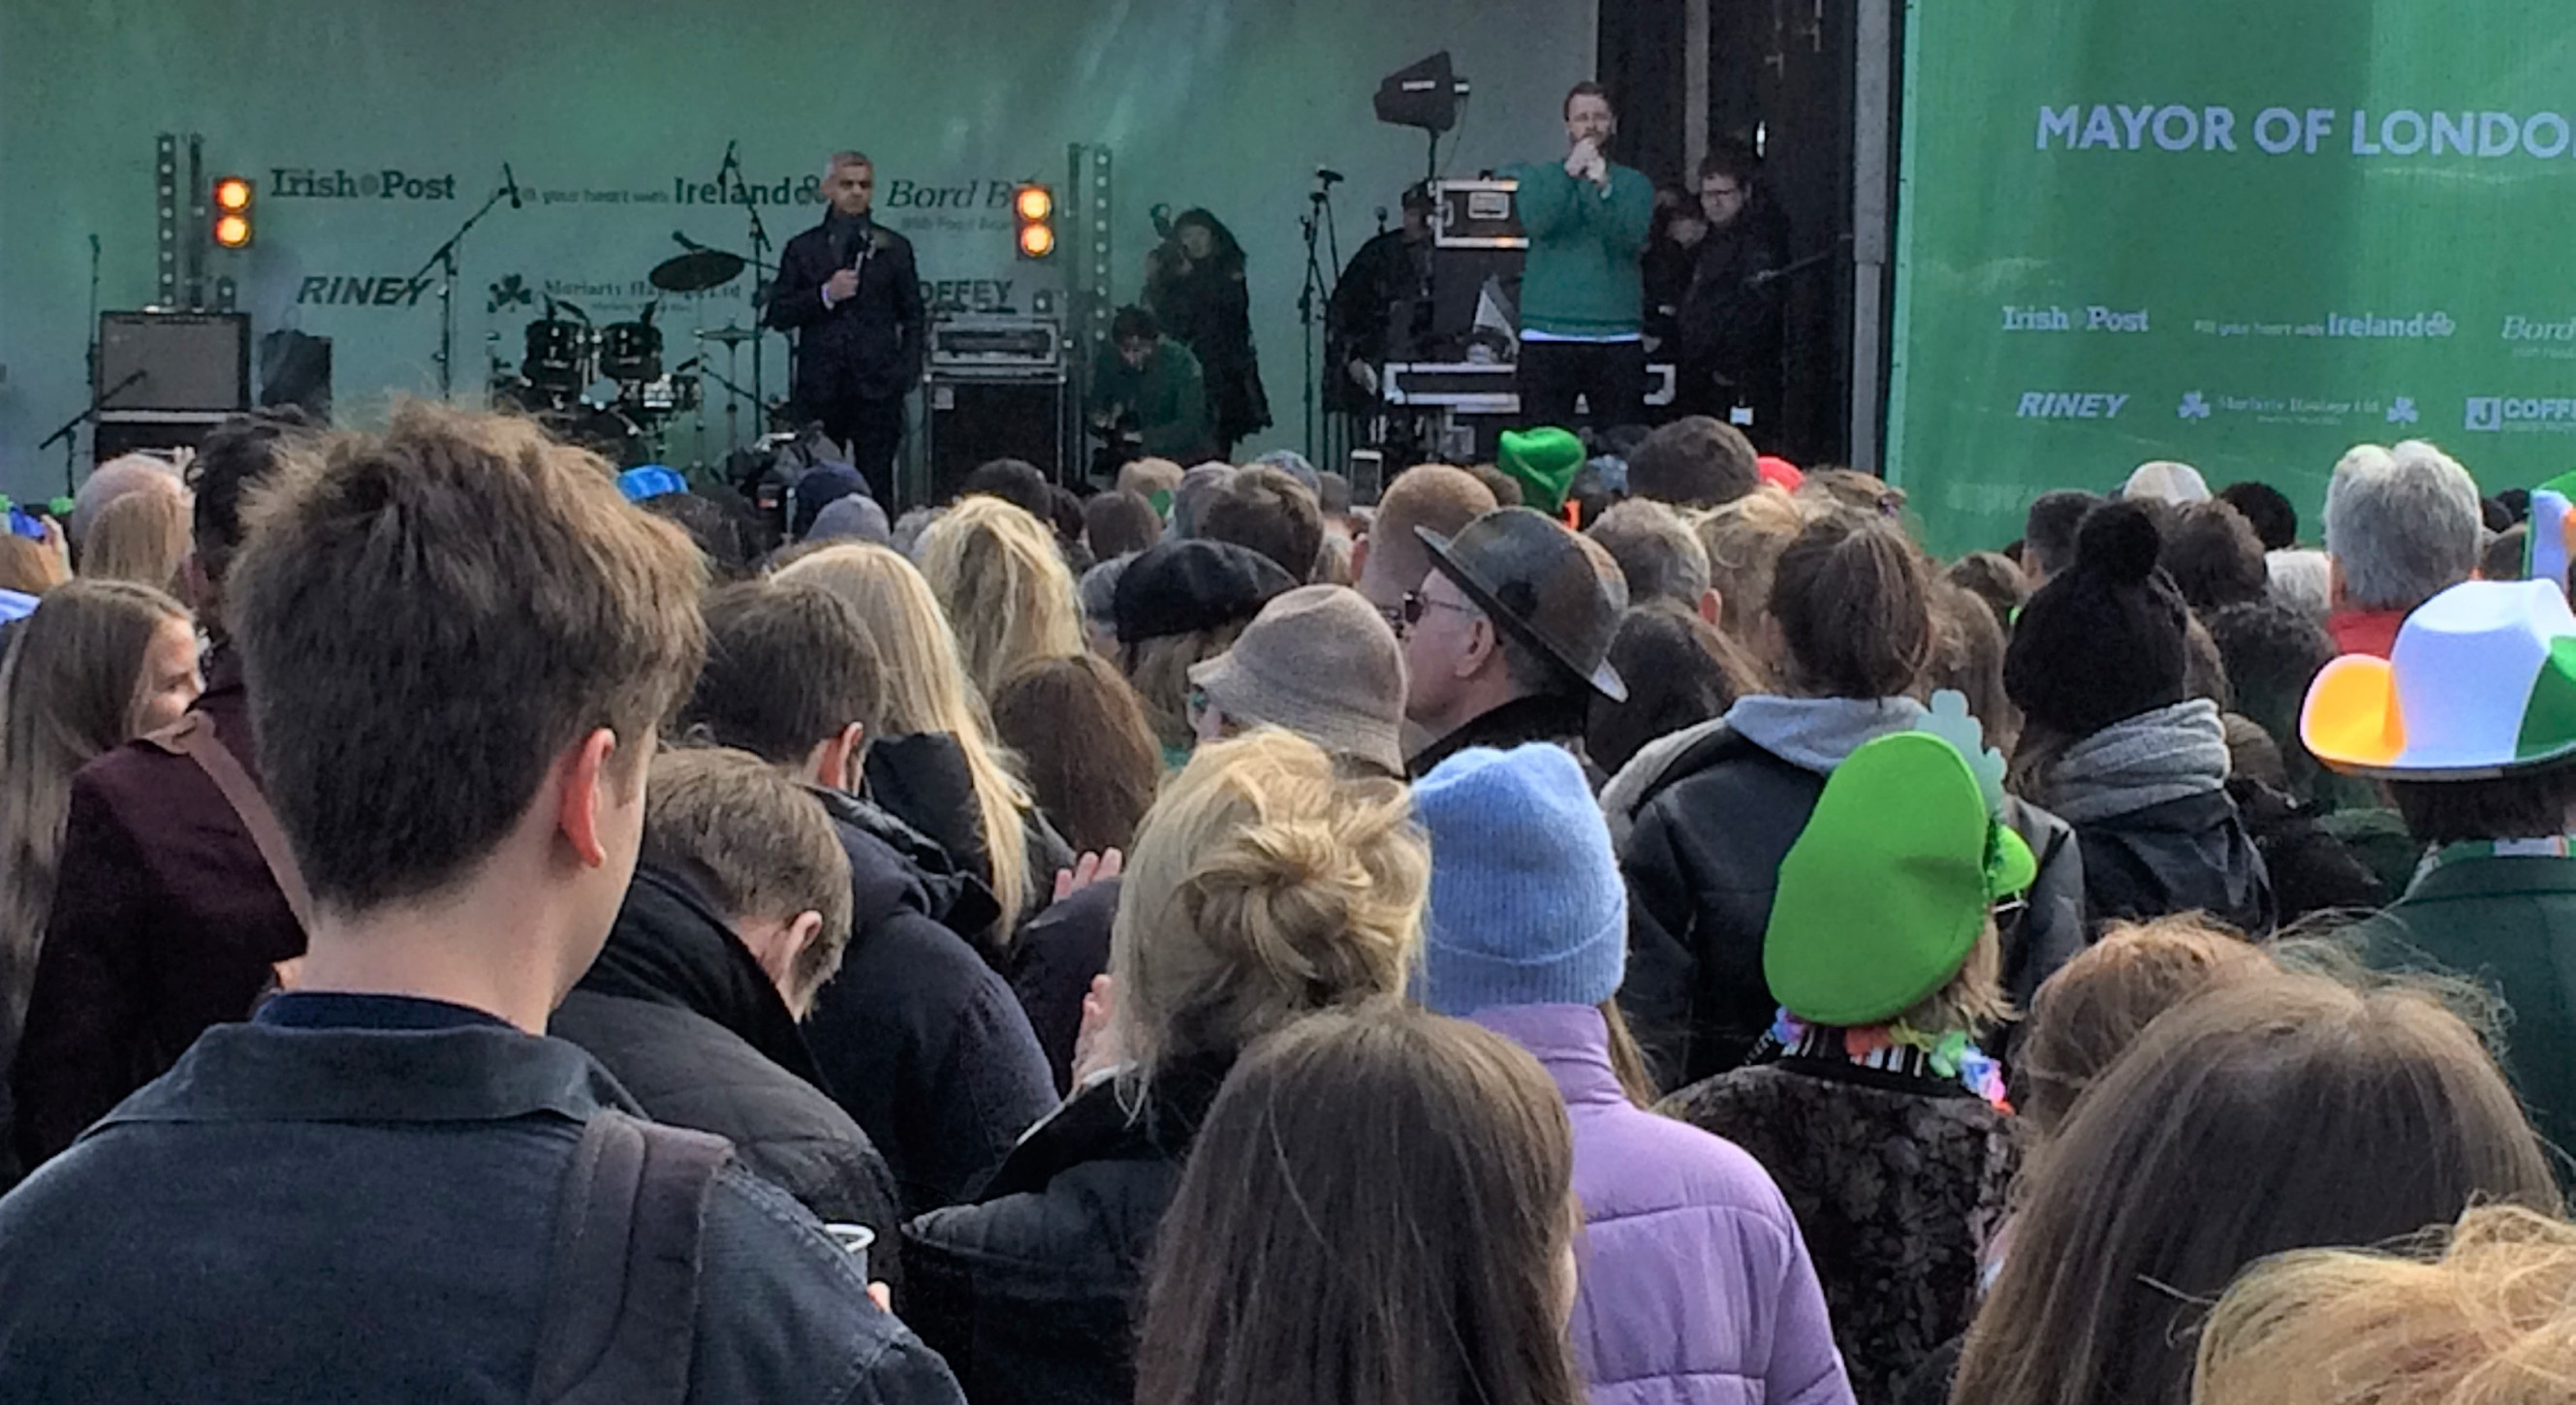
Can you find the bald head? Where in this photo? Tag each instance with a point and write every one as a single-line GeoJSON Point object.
{"type": "Point", "coordinates": [1432, 495]}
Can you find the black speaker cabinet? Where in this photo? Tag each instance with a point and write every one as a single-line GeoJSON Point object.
{"type": "Point", "coordinates": [186, 361]}
{"type": "Point", "coordinates": [975, 420]}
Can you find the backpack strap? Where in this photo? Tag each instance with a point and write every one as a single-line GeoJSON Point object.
{"type": "Point", "coordinates": [194, 737]}
{"type": "Point", "coordinates": [622, 1285]}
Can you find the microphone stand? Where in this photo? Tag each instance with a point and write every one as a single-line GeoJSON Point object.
{"type": "Point", "coordinates": [444, 260]}
{"type": "Point", "coordinates": [1318, 290]}
{"type": "Point", "coordinates": [97, 402]}
{"type": "Point", "coordinates": [759, 260]}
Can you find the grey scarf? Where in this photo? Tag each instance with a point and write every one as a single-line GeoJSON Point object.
{"type": "Point", "coordinates": [2169, 754]}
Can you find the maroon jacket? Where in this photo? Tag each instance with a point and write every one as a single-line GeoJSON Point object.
{"type": "Point", "coordinates": [165, 921]}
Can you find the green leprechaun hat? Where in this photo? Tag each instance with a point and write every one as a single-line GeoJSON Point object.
{"type": "Point", "coordinates": [1889, 886]}
{"type": "Point", "coordinates": [1543, 461]}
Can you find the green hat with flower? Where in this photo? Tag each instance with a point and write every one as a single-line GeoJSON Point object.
{"type": "Point", "coordinates": [1892, 881]}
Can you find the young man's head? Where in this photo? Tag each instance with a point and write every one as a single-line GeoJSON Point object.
{"type": "Point", "coordinates": [763, 853]}
{"type": "Point", "coordinates": [850, 183]}
{"type": "Point", "coordinates": [236, 458]}
{"type": "Point", "coordinates": [1389, 563]}
{"type": "Point", "coordinates": [1588, 116]}
{"type": "Point", "coordinates": [459, 638]}
{"type": "Point", "coordinates": [1270, 512]}
{"type": "Point", "coordinates": [792, 677]}
{"type": "Point", "coordinates": [1136, 331]}
{"type": "Point", "coordinates": [1726, 182]}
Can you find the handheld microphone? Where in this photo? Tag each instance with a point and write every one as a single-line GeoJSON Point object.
{"type": "Point", "coordinates": [511, 182]}
{"type": "Point", "coordinates": [1327, 175]}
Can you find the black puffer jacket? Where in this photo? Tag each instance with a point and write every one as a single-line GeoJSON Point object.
{"type": "Point", "coordinates": [1702, 859]}
{"type": "Point", "coordinates": [676, 1009]}
{"type": "Point", "coordinates": [1032, 1293]}
{"type": "Point", "coordinates": [1052, 962]}
{"type": "Point", "coordinates": [922, 1042]}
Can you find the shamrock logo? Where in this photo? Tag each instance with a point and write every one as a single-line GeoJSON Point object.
{"type": "Point", "coordinates": [512, 291]}
{"type": "Point", "coordinates": [2402, 410]}
{"type": "Point", "coordinates": [2194, 407]}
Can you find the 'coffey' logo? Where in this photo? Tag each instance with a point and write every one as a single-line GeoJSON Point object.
{"type": "Point", "coordinates": [306, 183]}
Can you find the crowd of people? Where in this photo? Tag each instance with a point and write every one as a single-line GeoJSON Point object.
{"type": "Point", "coordinates": [1622, 922]}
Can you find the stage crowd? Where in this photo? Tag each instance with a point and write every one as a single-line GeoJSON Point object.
{"type": "Point", "coordinates": [1622, 922]}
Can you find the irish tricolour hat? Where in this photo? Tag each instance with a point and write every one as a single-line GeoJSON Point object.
{"type": "Point", "coordinates": [2482, 684]}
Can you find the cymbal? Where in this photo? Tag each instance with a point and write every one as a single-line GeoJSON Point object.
{"type": "Point", "coordinates": [730, 336]}
{"type": "Point", "coordinates": [697, 272]}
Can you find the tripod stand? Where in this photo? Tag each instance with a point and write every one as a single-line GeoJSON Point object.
{"type": "Point", "coordinates": [1323, 245]}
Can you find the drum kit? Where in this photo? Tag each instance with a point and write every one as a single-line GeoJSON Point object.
{"type": "Point", "coordinates": [605, 386]}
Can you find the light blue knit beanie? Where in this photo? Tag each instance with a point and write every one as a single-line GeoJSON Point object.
{"type": "Point", "coordinates": [1527, 906]}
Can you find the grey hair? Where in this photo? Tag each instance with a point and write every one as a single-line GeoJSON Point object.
{"type": "Point", "coordinates": [2402, 523]}
{"type": "Point", "coordinates": [849, 158]}
{"type": "Point", "coordinates": [1098, 589]}
{"type": "Point", "coordinates": [1657, 551]}
{"type": "Point", "coordinates": [2300, 580]}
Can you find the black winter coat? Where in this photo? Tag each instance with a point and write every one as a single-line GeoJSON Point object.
{"type": "Point", "coordinates": [2312, 871]}
{"type": "Point", "coordinates": [2187, 855]}
{"type": "Point", "coordinates": [1703, 863]}
{"type": "Point", "coordinates": [1032, 1293]}
{"type": "Point", "coordinates": [922, 780]}
{"type": "Point", "coordinates": [1052, 962]}
{"type": "Point", "coordinates": [869, 345]}
{"type": "Point", "coordinates": [676, 1009]}
{"type": "Point", "coordinates": [922, 1042]}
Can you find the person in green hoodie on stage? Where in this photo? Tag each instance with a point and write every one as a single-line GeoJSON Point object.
{"type": "Point", "coordinates": [1582, 290]}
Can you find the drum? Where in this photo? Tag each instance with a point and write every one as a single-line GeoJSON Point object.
{"type": "Point", "coordinates": [558, 355]}
{"type": "Point", "coordinates": [630, 351]}
{"type": "Point", "coordinates": [668, 395]}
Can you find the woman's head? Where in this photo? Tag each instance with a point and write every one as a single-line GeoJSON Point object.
{"type": "Point", "coordinates": [1968, 658]}
{"type": "Point", "coordinates": [927, 690]}
{"type": "Point", "coordinates": [1081, 735]}
{"type": "Point", "coordinates": [1744, 539]}
{"type": "Point", "coordinates": [1203, 237]}
{"type": "Point", "coordinates": [2275, 1113]}
{"type": "Point", "coordinates": [2094, 1008]}
{"type": "Point", "coordinates": [1007, 592]}
{"type": "Point", "coordinates": [139, 537]}
{"type": "Point", "coordinates": [1854, 609]}
{"type": "Point", "coordinates": [1680, 672]}
{"type": "Point", "coordinates": [1263, 885]}
{"type": "Point", "coordinates": [2485, 1315]}
{"type": "Point", "coordinates": [1378, 1211]}
{"type": "Point", "coordinates": [98, 662]}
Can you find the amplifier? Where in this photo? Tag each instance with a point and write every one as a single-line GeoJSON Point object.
{"type": "Point", "coordinates": [992, 342]}
{"type": "Point", "coordinates": [974, 420]}
{"type": "Point", "coordinates": [1477, 214]}
{"type": "Point", "coordinates": [194, 361]}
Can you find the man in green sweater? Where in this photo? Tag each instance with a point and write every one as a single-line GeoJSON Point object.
{"type": "Point", "coordinates": [1582, 292]}
{"type": "Point", "coordinates": [1148, 395]}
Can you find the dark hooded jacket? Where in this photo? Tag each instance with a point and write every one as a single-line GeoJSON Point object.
{"type": "Point", "coordinates": [920, 1040]}
{"type": "Point", "coordinates": [678, 1011]}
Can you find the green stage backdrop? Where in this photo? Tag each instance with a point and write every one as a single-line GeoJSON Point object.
{"type": "Point", "coordinates": [2245, 236]}
{"type": "Point", "coordinates": [372, 127]}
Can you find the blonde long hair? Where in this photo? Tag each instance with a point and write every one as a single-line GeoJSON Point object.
{"type": "Point", "coordinates": [70, 689]}
{"type": "Point", "coordinates": [928, 690]}
{"type": "Point", "coordinates": [2483, 1315]}
{"type": "Point", "coordinates": [1009, 596]}
{"type": "Point", "coordinates": [1264, 884]}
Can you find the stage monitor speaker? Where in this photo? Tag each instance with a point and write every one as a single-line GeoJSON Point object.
{"type": "Point", "coordinates": [975, 420]}
{"type": "Point", "coordinates": [192, 361]}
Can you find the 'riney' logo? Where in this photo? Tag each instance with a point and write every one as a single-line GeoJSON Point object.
{"type": "Point", "coordinates": [2069, 405]}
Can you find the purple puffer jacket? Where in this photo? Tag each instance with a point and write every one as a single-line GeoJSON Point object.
{"type": "Point", "coordinates": [1696, 1289]}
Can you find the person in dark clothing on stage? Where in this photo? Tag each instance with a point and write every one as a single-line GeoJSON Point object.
{"type": "Point", "coordinates": [1387, 280]}
{"type": "Point", "coordinates": [848, 287]}
{"type": "Point", "coordinates": [1196, 287]}
{"type": "Point", "coordinates": [1727, 325]}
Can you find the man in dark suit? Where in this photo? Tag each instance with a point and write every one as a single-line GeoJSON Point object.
{"type": "Point", "coordinates": [849, 288]}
